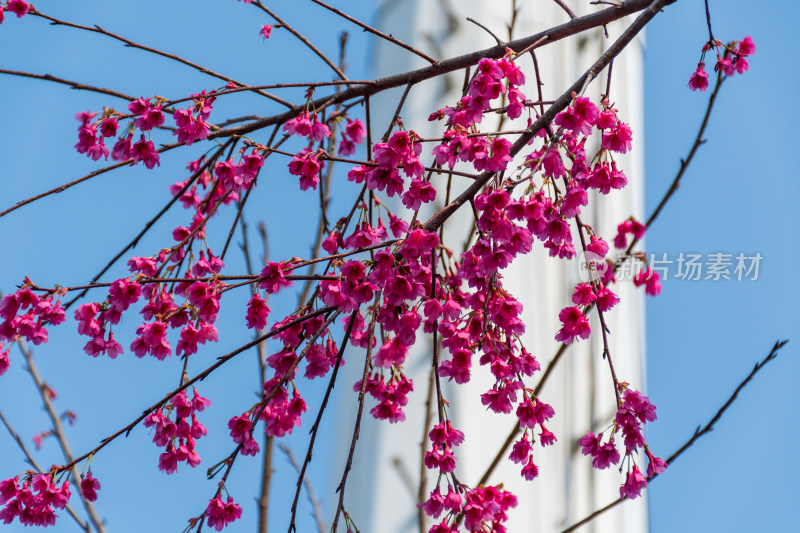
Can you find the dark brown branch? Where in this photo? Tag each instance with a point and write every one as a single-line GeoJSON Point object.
{"type": "Point", "coordinates": [72, 84]}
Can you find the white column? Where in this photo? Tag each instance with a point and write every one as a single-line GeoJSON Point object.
{"type": "Point", "coordinates": [381, 491]}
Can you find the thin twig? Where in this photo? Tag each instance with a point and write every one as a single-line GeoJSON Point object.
{"type": "Point", "coordinates": [487, 30]}
{"type": "Point", "coordinates": [72, 84]}
{"type": "Point", "coordinates": [377, 32]}
{"type": "Point", "coordinates": [361, 393]}
{"type": "Point", "coordinates": [128, 42]}
{"type": "Point", "coordinates": [565, 8]}
{"type": "Point", "coordinates": [317, 508]}
{"type": "Point", "coordinates": [697, 433]}
{"type": "Point", "coordinates": [302, 39]}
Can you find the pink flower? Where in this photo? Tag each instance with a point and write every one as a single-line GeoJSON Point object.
{"type": "Point", "coordinates": [4, 363]}
{"type": "Point", "coordinates": [123, 293]}
{"type": "Point", "coordinates": [584, 294]}
{"type": "Point", "coordinates": [307, 166]}
{"type": "Point", "coordinates": [108, 127]}
{"type": "Point", "coordinates": [747, 47]}
{"type": "Point", "coordinates": [221, 514]}
{"type": "Point", "coordinates": [240, 428]}
{"type": "Point", "coordinates": [18, 7]}
{"type": "Point", "coordinates": [606, 455]}
{"type": "Point", "coordinates": [89, 487]}
{"type": "Point", "coordinates": [419, 192]}
{"type": "Point", "coordinates": [699, 80]}
{"type": "Point", "coordinates": [434, 505]}
{"type": "Point", "coordinates": [574, 324]}
{"type": "Point", "coordinates": [530, 470]}
{"type": "Point", "coordinates": [300, 125]}
{"type": "Point", "coordinates": [355, 130]}
{"type": "Point", "coordinates": [152, 117]}
{"type": "Point", "coordinates": [257, 312]}
{"type": "Point", "coordinates": [605, 298]}
{"type": "Point", "coordinates": [656, 465]}
{"type": "Point", "coordinates": [139, 106]}
{"type": "Point", "coordinates": [8, 489]}
{"type": "Point", "coordinates": [332, 242]}
{"type": "Point", "coordinates": [618, 139]}
{"type": "Point", "coordinates": [650, 279]}
{"type": "Point", "coordinates": [521, 449]}
{"type": "Point", "coordinates": [547, 437]}
{"type": "Point", "coordinates": [145, 151]}
{"type": "Point", "coordinates": [273, 278]}
{"type": "Point", "coordinates": [265, 31]}
{"type": "Point", "coordinates": [633, 485]}
{"type": "Point", "coordinates": [122, 148]}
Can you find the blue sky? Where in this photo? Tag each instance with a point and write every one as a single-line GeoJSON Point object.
{"type": "Point", "coordinates": [703, 336]}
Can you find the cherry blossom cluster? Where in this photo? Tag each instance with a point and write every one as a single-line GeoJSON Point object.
{"type": "Point", "coordinates": [143, 116]}
{"type": "Point", "coordinates": [32, 502]}
{"type": "Point", "coordinates": [25, 314]}
{"type": "Point", "coordinates": [219, 514]}
{"type": "Point", "coordinates": [635, 411]}
{"type": "Point", "coordinates": [19, 7]}
{"type": "Point", "coordinates": [484, 508]}
{"type": "Point", "coordinates": [731, 59]}
{"type": "Point", "coordinates": [176, 429]}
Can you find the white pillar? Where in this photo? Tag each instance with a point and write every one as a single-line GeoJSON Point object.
{"type": "Point", "coordinates": [381, 491]}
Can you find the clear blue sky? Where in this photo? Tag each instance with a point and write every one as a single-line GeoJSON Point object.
{"type": "Point", "coordinates": [703, 336]}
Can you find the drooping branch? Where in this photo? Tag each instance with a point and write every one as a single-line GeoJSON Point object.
{"type": "Point", "coordinates": [562, 349]}
{"type": "Point", "coordinates": [72, 84]}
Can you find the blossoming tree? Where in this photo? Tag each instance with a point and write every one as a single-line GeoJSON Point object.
{"type": "Point", "coordinates": [380, 278]}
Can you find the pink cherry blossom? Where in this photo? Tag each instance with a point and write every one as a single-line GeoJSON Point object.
{"type": "Point", "coordinates": [634, 484]}
{"type": "Point", "coordinates": [221, 514]}
{"type": "Point", "coordinates": [89, 487]}
{"type": "Point", "coordinates": [574, 325]}
{"type": "Point", "coordinates": [699, 79]}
